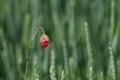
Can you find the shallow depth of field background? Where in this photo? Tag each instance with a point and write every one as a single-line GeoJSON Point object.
{"type": "Point", "coordinates": [84, 39]}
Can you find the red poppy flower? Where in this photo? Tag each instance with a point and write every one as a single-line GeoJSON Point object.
{"type": "Point", "coordinates": [44, 40]}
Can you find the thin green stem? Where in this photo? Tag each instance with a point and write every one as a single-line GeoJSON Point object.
{"type": "Point", "coordinates": [29, 51]}
{"type": "Point", "coordinates": [27, 62]}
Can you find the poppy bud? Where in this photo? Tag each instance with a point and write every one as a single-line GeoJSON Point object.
{"type": "Point", "coordinates": [44, 40]}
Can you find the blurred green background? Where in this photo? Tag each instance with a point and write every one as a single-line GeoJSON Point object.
{"type": "Point", "coordinates": [84, 39]}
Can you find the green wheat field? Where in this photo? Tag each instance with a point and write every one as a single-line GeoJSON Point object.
{"type": "Point", "coordinates": [84, 39]}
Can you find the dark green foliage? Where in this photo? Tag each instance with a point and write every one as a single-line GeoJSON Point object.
{"type": "Point", "coordinates": [84, 39]}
